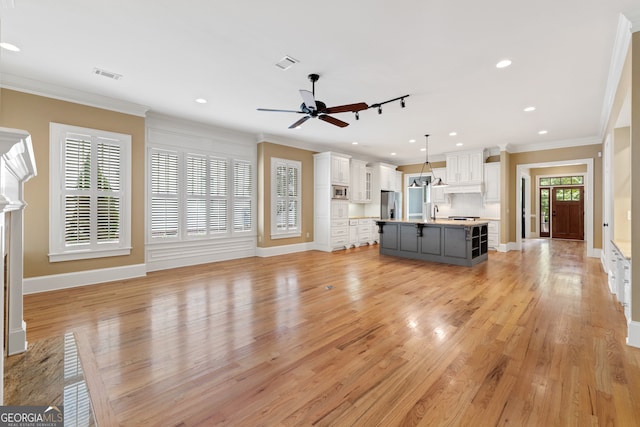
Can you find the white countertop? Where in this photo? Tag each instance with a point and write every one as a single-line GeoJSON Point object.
{"type": "Point", "coordinates": [438, 221]}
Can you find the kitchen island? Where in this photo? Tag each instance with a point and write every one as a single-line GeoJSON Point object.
{"type": "Point", "coordinates": [446, 241]}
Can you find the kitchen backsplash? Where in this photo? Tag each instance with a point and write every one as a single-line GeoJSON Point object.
{"type": "Point", "coordinates": [462, 204]}
{"type": "Point", "coordinates": [468, 204]}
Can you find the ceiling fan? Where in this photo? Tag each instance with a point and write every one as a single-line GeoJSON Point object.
{"type": "Point", "coordinates": [313, 108]}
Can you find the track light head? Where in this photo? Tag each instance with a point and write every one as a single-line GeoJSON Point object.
{"type": "Point", "coordinates": [402, 104]}
{"type": "Point", "coordinates": [357, 116]}
{"type": "Point", "coordinates": [380, 109]}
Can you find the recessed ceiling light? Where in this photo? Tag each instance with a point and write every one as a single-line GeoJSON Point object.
{"type": "Point", "coordinates": [354, 143]}
{"type": "Point", "coordinates": [201, 100]}
{"type": "Point", "coordinates": [503, 64]}
{"type": "Point", "coordinates": [459, 144]}
{"type": "Point", "coordinates": [9, 46]}
{"type": "Point", "coordinates": [542, 132]}
{"type": "Point", "coordinates": [393, 154]}
{"type": "Point", "coordinates": [453, 133]}
{"type": "Point", "coordinates": [411, 141]}
{"type": "Point", "coordinates": [423, 149]}
{"type": "Point", "coordinates": [529, 109]}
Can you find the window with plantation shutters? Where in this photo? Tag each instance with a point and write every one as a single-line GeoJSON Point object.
{"type": "Point", "coordinates": [285, 198]}
{"type": "Point", "coordinates": [198, 195]}
{"type": "Point", "coordinates": [90, 193]}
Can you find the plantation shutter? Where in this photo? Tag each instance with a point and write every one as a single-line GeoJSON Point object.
{"type": "Point", "coordinates": [196, 195]}
{"type": "Point", "coordinates": [242, 196]}
{"type": "Point", "coordinates": [92, 190]}
{"type": "Point", "coordinates": [164, 194]}
{"type": "Point", "coordinates": [219, 194]}
{"type": "Point", "coordinates": [77, 190]}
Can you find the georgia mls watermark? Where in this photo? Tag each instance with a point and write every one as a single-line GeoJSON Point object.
{"type": "Point", "coordinates": [31, 416]}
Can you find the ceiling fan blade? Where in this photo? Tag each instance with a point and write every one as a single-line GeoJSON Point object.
{"type": "Point", "coordinates": [333, 120]}
{"type": "Point", "coordinates": [280, 111]}
{"type": "Point", "coordinates": [299, 122]}
{"type": "Point", "coordinates": [308, 99]}
{"type": "Point", "coordinates": [347, 108]}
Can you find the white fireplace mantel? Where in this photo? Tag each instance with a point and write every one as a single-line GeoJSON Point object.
{"type": "Point", "coordinates": [17, 165]}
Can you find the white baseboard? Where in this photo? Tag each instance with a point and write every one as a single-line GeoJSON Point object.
{"type": "Point", "coordinates": [17, 340]}
{"type": "Point", "coordinates": [284, 249]}
{"type": "Point", "coordinates": [502, 247]}
{"type": "Point", "coordinates": [633, 334]}
{"type": "Point", "coordinates": [511, 246]}
{"type": "Point", "coordinates": [34, 285]}
{"type": "Point", "coordinates": [594, 253]}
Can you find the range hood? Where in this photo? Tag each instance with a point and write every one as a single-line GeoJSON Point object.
{"type": "Point", "coordinates": [466, 188]}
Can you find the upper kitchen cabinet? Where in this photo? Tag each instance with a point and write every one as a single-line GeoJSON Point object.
{"type": "Point", "coordinates": [466, 167]}
{"type": "Point", "coordinates": [492, 182]}
{"type": "Point", "coordinates": [358, 187]}
{"type": "Point", "coordinates": [386, 176]}
{"type": "Point", "coordinates": [339, 169]}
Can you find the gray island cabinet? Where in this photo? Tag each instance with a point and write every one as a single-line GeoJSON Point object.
{"type": "Point", "coordinates": [448, 241]}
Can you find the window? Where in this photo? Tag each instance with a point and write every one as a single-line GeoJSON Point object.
{"type": "Point", "coordinates": [562, 180]}
{"type": "Point", "coordinates": [285, 198]}
{"type": "Point", "coordinates": [191, 196]}
{"type": "Point", "coordinates": [90, 193]}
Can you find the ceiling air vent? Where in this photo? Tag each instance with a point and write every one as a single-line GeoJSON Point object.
{"type": "Point", "coordinates": [105, 73]}
{"type": "Point", "coordinates": [286, 63]}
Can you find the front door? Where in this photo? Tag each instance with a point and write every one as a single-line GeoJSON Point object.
{"type": "Point", "coordinates": [567, 206]}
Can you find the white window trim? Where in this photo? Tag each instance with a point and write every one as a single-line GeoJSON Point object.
{"type": "Point", "coordinates": [283, 234]}
{"type": "Point", "coordinates": [57, 250]}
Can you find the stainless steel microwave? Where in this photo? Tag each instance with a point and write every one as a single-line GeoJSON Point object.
{"type": "Point", "coordinates": [340, 192]}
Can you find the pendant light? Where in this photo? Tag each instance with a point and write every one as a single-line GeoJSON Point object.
{"type": "Point", "coordinates": [436, 182]}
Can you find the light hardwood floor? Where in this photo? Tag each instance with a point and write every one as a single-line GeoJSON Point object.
{"type": "Point", "coordinates": [353, 338]}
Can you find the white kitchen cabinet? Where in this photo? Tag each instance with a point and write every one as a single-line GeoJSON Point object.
{"type": "Point", "coordinates": [353, 232]}
{"type": "Point", "coordinates": [358, 184]}
{"type": "Point", "coordinates": [331, 216]}
{"type": "Point", "coordinates": [367, 185]}
{"type": "Point", "coordinates": [620, 279]}
{"type": "Point", "coordinates": [493, 234]}
{"type": "Point", "coordinates": [465, 167]}
{"type": "Point", "coordinates": [382, 178]}
{"type": "Point", "coordinates": [438, 196]}
{"type": "Point", "coordinates": [339, 169]}
{"type": "Point", "coordinates": [387, 176]}
{"type": "Point", "coordinates": [398, 181]}
{"type": "Point", "coordinates": [492, 182]}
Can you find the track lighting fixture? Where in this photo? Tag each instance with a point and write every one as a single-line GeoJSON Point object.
{"type": "Point", "coordinates": [357, 116]}
{"type": "Point", "coordinates": [402, 104]}
{"type": "Point", "coordinates": [379, 109]}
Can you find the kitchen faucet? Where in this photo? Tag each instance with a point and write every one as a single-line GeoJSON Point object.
{"type": "Point", "coordinates": [435, 209]}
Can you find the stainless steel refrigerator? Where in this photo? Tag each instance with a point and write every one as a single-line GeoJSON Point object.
{"type": "Point", "coordinates": [390, 205]}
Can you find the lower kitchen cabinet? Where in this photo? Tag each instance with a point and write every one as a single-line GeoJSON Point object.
{"type": "Point", "coordinates": [362, 231]}
{"type": "Point", "coordinates": [493, 234]}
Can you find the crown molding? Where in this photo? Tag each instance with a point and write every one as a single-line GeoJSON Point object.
{"type": "Point", "coordinates": [48, 90]}
{"type": "Point", "coordinates": [634, 18]}
{"type": "Point", "coordinates": [552, 145]}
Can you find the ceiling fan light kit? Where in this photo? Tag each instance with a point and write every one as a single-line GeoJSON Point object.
{"type": "Point", "coordinates": [313, 108]}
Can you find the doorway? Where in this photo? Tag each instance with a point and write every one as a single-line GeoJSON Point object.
{"type": "Point", "coordinates": [567, 210]}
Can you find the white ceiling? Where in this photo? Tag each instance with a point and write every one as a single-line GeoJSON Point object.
{"type": "Point", "coordinates": [441, 53]}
